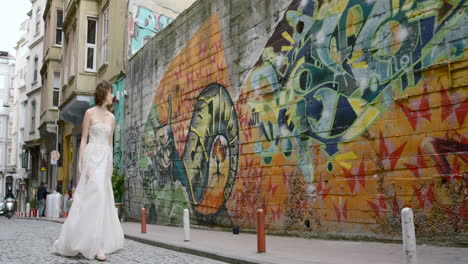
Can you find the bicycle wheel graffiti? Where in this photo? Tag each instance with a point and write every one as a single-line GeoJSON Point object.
{"type": "Point", "coordinates": [208, 166]}
{"type": "Point", "coordinates": [190, 147]}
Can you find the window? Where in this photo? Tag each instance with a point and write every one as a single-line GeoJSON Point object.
{"type": "Point", "coordinates": [46, 33]}
{"type": "Point", "coordinates": [10, 158]}
{"type": "Point", "coordinates": [56, 90]}
{"type": "Point", "coordinates": [105, 35]}
{"type": "Point", "coordinates": [38, 21]}
{"type": "Point", "coordinates": [58, 28]}
{"type": "Point", "coordinates": [91, 45]}
{"type": "Point", "coordinates": [66, 62]}
{"type": "Point", "coordinates": [33, 116]}
{"type": "Point", "coordinates": [24, 158]}
{"type": "Point", "coordinates": [73, 51]}
{"type": "Point", "coordinates": [69, 65]}
{"type": "Point", "coordinates": [35, 69]}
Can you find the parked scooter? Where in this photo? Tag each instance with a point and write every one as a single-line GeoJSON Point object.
{"type": "Point", "coordinates": [10, 207]}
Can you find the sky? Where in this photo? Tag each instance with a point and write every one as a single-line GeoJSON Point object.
{"type": "Point", "coordinates": [14, 12]}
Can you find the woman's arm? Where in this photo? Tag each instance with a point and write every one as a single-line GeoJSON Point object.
{"type": "Point", "coordinates": [84, 139]}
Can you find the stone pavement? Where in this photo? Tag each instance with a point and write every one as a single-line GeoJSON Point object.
{"type": "Point", "coordinates": [26, 241]}
{"type": "Point", "coordinates": [241, 248]}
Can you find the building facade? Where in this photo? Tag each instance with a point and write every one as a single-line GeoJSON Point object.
{"type": "Point", "coordinates": [30, 156]}
{"type": "Point", "coordinates": [93, 51]}
{"type": "Point", "coordinates": [51, 84]}
{"type": "Point", "coordinates": [7, 169]}
{"type": "Point", "coordinates": [22, 156]}
{"type": "Point", "coordinates": [38, 171]}
{"type": "Point", "coordinates": [96, 44]}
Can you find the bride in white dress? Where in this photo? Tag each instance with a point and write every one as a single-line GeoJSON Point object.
{"type": "Point", "coordinates": [92, 227]}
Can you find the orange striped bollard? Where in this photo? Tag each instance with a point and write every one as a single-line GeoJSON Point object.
{"type": "Point", "coordinates": [261, 248]}
{"type": "Point", "coordinates": [143, 220]}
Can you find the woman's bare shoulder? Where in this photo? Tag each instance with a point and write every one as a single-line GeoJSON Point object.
{"type": "Point", "coordinates": [89, 112]}
{"type": "Point", "coordinates": [109, 113]}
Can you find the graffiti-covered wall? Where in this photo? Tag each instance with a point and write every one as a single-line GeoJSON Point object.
{"type": "Point", "coordinates": [330, 115]}
{"type": "Point", "coordinates": [147, 17]}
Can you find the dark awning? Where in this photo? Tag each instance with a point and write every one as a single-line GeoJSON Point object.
{"type": "Point", "coordinates": [74, 110]}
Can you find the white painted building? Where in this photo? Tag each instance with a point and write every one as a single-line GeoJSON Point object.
{"type": "Point", "coordinates": [7, 172]}
{"type": "Point", "coordinates": [18, 131]}
{"type": "Point", "coordinates": [27, 102]}
{"type": "Point", "coordinates": [19, 103]}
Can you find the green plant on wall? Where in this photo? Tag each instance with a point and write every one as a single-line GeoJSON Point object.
{"type": "Point", "coordinates": [118, 180]}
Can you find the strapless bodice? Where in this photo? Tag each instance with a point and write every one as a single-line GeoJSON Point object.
{"type": "Point", "coordinates": [99, 133]}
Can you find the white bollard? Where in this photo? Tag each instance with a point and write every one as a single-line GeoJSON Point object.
{"type": "Point", "coordinates": [409, 237]}
{"type": "Point", "coordinates": [186, 225]}
{"type": "Point", "coordinates": [28, 210]}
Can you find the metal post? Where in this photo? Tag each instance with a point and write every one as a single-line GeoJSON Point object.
{"type": "Point", "coordinates": [409, 237]}
{"type": "Point", "coordinates": [186, 225]}
{"type": "Point", "coordinates": [261, 248]}
{"type": "Point", "coordinates": [143, 220]}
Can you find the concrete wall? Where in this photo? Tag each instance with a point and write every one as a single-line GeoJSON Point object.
{"type": "Point", "coordinates": [330, 115]}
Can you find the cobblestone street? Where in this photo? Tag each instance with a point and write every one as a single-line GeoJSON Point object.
{"type": "Point", "coordinates": [30, 241]}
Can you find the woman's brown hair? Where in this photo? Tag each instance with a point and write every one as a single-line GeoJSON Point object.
{"type": "Point", "coordinates": [102, 88]}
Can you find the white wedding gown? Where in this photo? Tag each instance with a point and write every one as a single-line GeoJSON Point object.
{"type": "Point", "coordinates": [93, 223]}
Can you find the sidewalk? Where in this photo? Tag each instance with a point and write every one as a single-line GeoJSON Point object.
{"type": "Point", "coordinates": [225, 246]}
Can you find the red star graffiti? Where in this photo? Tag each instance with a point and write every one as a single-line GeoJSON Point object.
{"type": "Point", "coordinates": [287, 177]}
{"type": "Point", "coordinates": [322, 189]}
{"type": "Point", "coordinates": [456, 106]}
{"type": "Point", "coordinates": [379, 205]}
{"type": "Point", "coordinates": [202, 51]}
{"type": "Point", "coordinates": [178, 72]}
{"type": "Point", "coordinates": [422, 110]}
{"type": "Point", "coordinates": [396, 205]}
{"type": "Point", "coordinates": [341, 210]}
{"type": "Point", "coordinates": [440, 150]}
{"type": "Point", "coordinates": [356, 179]}
{"type": "Point", "coordinates": [387, 156]}
{"type": "Point", "coordinates": [276, 213]}
{"type": "Point", "coordinates": [272, 188]}
{"type": "Point", "coordinates": [420, 164]}
{"type": "Point", "coordinates": [425, 195]}
{"type": "Point", "coordinates": [190, 80]}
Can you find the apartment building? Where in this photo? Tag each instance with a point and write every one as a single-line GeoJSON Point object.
{"type": "Point", "coordinates": [51, 83]}
{"type": "Point", "coordinates": [7, 171]}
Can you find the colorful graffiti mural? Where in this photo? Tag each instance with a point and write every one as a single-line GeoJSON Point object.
{"type": "Point", "coordinates": [190, 141]}
{"type": "Point", "coordinates": [143, 26]}
{"type": "Point", "coordinates": [316, 98]}
{"type": "Point", "coordinates": [119, 114]}
{"type": "Point", "coordinates": [353, 110]}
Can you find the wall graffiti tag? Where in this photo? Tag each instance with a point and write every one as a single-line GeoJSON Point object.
{"type": "Point", "coordinates": [144, 26]}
